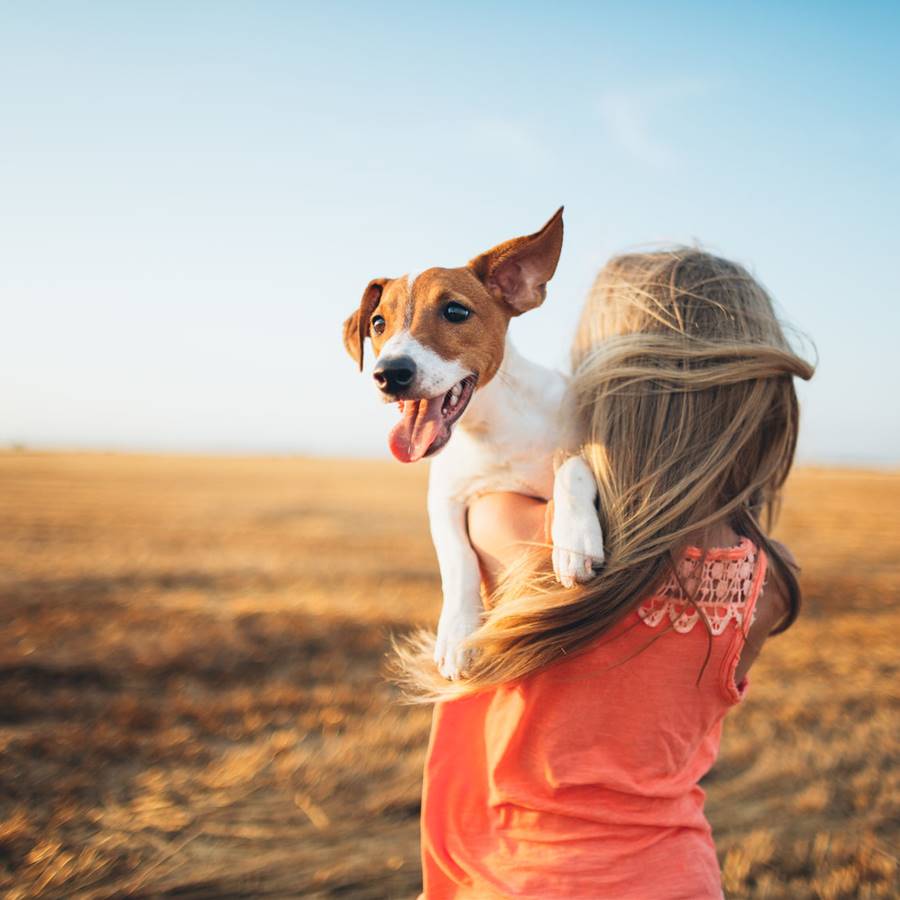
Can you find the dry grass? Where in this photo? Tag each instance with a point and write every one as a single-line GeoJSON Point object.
{"type": "Point", "coordinates": [191, 704]}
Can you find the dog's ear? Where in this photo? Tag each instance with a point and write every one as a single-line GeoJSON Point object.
{"type": "Point", "coordinates": [517, 271]}
{"type": "Point", "coordinates": [356, 327]}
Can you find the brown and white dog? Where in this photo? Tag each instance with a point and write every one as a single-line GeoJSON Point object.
{"type": "Point", "coordinates": [443, 356]}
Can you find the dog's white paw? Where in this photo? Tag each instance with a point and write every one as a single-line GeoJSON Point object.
{"type": "Point", "coordinates": [577, 543]}
{"type": "Point", "coordinates": [453, 628]}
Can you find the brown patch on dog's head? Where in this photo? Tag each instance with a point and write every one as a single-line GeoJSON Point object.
{"type": "Point", "coordinates": [383, 311]}
{"type": "Point", "coordinates": [505, 281]}
{"type": "Point", "coordinates": [476, 343]}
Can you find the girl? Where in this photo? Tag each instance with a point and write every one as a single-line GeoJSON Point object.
{"type": "Point", "coordinates": [565, 764]}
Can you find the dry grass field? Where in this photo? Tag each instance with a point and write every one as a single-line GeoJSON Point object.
{"type": "Point", "coordinates": [192, 701]}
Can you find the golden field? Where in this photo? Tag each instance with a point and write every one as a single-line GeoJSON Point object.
{"type": "Point", "coordinates": [193, 701]}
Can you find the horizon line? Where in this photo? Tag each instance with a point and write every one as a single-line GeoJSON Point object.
{"type": "Point", "coordinates": [23, 448]}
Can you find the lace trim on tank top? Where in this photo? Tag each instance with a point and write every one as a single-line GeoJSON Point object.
{"type": "Point", "coordinates": [721, 589]}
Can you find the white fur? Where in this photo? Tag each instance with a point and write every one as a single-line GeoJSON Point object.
{"type": "Point", "coordinates": [504, 441]}
{"type": "Point", "coordinates": [575, 530]}
{"type": "Point", "coordinates": [434, 374]}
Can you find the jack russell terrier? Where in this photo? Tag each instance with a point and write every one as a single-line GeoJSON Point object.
{"type": "Point", "coordinates": [444, 357]}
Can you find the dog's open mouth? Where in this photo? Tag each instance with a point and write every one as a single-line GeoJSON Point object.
{"type": "Point", "coordinates": [426, 422]}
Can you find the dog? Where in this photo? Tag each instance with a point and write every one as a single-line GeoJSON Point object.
{"type": "Point", "coordinates": [443, 355]}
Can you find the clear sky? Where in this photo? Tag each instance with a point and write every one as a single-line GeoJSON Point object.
{"type": "Point", "coordinates": [193, 195]}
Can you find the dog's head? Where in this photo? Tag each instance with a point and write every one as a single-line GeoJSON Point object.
{"type": "Point", "coordinates": [440, 333]}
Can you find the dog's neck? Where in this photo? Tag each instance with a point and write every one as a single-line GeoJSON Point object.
{"type": "Point", "coordinates": [516, 387]}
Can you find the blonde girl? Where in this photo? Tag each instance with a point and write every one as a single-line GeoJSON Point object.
{"type": "Point", "coordinates": [565, 764]}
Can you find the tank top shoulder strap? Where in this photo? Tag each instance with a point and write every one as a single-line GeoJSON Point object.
{"type": "Point", "coordinates": [759, 580]}
{"type": "Point", "coordinates": [732, 690]}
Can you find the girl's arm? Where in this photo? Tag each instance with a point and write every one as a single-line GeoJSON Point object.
{"type": "Point", "coordinates": [500, 527]}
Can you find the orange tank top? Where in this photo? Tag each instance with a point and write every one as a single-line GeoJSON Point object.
{"type": "Point", "coordinates": [581, 781]}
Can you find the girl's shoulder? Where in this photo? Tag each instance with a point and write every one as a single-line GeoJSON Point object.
{"type": "Point", "coordinates": [719, 584]}
{"type": "Point", "coordinates": [728, 582]}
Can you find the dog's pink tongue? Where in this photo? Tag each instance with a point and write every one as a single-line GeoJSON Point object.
{"type": "Point", "coordinates": [416, 431]}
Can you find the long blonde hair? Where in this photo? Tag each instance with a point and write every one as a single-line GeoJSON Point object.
{"type": "Point", "coordinates": [683, 401]}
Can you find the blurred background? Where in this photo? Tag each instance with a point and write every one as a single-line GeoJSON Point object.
{"type": "Point", "coordinates": [204, 547]}
{"type": "Point", "coordinates": [195, 194]}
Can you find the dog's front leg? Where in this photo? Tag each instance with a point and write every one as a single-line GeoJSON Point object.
{"type": "Point", "coordinates": [575, 529]}
{"type": "Point", "coordinates": [460, 580]}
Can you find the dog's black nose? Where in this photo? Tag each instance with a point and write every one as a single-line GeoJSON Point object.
{"type": "Point", "coordinates": [394, 375]}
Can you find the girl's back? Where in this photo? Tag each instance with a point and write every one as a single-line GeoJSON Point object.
{"type": "Point", "coordinates": [585, 783]}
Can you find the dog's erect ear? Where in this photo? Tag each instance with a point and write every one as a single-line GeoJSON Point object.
{"type": "Point", "coordinates": [356, 328]}
{"type": "Point", "coordinates": [517, 271]}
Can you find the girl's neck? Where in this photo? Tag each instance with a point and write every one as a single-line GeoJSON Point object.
{"type": "Point", "coordinates": [719, 535]}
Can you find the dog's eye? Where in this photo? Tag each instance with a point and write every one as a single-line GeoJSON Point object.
{"type": "Point", "coordinates": [377, 324]}
{"type": "Point", "coordinates": [456, 312]}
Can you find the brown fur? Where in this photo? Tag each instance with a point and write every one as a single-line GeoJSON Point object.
{"type": "Point", "coordinates": [356, 328]}
{"type": "Point", "coordinates": [503, 282]}
{"type": "Point", "coordinates": [517, 271]}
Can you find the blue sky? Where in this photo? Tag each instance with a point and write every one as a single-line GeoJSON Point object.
{"type": "Point", "coordinates": [193, 195]}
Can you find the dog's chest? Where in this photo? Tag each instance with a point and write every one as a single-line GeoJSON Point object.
{"type": "Point", "coordinates": [508, 438]}
{"type": "Point", "coordinates": [479, 467]}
